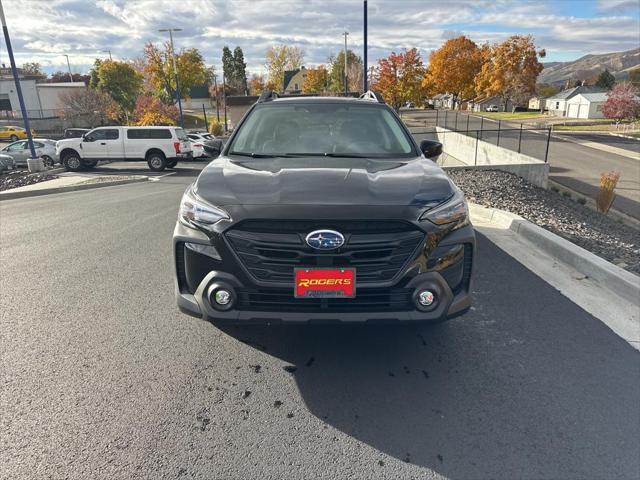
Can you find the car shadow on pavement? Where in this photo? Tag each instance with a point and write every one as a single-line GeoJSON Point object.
{"type": "Point", "coordinates": [526, 385]}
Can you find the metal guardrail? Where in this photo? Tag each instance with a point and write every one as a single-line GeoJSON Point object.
{"type": "Point", "coordinates": [531, 141]}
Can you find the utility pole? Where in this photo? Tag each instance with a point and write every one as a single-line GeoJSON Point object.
{"type": "Point", "coordinates": [215, 86]}
{"type": "Point", "coordinates": [14, 70]}
{"type": "Point", "coordinates": [346, 86]}
{"type": "Point", "coordinates": [69, 67]}
{"type": "Point", "coordinates": [109, 52]}
{"type": "Point", "coordinates": [175, 70]}
{"type": "Point", "coordinates": [364, 66]}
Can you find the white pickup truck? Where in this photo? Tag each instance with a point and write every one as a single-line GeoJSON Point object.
{"type": "Point", "coordinates": [161, 147]}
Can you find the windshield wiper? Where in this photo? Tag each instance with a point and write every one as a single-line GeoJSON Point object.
{"type": "Point", "coordinates": [264, 155]}
{"type": "Point", "coordinates": [328, 154]}
{"type": "Point", "coordinates": [346, 155]}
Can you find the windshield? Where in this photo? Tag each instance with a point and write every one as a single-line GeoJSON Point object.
{"type": "Point", "coordinates": [331, 129]}
{"type": "Point", "coordinates": [181, 134]}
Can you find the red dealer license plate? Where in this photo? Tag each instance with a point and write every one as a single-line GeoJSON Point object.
{"type": "Point", "coordinates": [325, 283]}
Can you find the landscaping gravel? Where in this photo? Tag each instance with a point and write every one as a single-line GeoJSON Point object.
{"type": "Point", "coordinates": [20, 178]}
{"type": "Point", "coordinates": [593, 231]}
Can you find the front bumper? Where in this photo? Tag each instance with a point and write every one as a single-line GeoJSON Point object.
{"type": "Point", "coordinates": [197, 276]}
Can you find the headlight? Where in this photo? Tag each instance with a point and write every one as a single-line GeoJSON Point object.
{"type": "Point", "coordinates": [454, 210]}
{"type": "Point", "coordinates": [195, 212]}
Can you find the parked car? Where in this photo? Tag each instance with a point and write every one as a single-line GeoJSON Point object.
{"type": "Point", "coordinates": [198, 149]}
{"type": "Point", "coordinates": [210, 144]}
{"type": "Point", "coordinates": [323, 209]}
{"type": "Point", "coordinates": [45, 148]}
{"type": "Point", "coordinates": [75, 132]}
{"type": "Point", "coordinates": [161, 147]}
{"type": "Point", "coordinates": [13, 134]}
{"type": "Point", "coordinates": [492, 108]}
{"type": "Point", "coordinates": [6, 163]}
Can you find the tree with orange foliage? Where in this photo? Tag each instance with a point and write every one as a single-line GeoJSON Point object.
{"type": "Point", "coordinates": [399, 78]}
{"type": "Point", "coordinates": [316, 80]}
{"type": "Point", "coordinates": [151, 111]}
{"type": "Point", "coordinates": [510, 70]}
{"type": "Point", "coordinates": [453, 68]}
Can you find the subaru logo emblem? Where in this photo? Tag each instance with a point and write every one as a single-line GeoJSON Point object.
{"type": "Point", "coordinates": [325, 239]}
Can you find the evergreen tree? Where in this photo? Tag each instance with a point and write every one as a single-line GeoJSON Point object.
{"type": "Point", "coordinates": [240, 71]}
{"type": "Point", "coordinates": [606, 80]}
{"type": "Point", "coordinates": [228, 66]}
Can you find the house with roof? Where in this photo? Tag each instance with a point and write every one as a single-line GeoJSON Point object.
{"type": "Point", "coordinates": [198, 96]}
{"type": "Point", "coordinates": [586, 105]}
{"type": "Point", "coordinates": [294, 79]}
{"type": "Point", "coordinates": [557, 104]}
{"type": "Point", "coordinates": [481, 104]}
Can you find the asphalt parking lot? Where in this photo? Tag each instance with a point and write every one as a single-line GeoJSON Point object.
{"type": "Point", "coordinates": [102, 377]}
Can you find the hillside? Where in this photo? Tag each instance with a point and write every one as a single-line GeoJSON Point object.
{"type": "Point", "coordinates": [618, 63]}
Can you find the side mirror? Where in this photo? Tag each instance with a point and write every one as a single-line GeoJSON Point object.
{"type": "Point", "coordinates": [430, 148]}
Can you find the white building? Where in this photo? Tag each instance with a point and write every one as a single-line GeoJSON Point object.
{"type": "Point", "coordinates": [42, 100]}
{"type": "Point", "coordinates": [586, 105]}
{"type": "Point", "coordinates": [557, 104]}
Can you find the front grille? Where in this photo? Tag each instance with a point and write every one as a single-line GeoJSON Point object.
{"type": "Point", "coordinates": [371, 299]}
{"type": "Point", "coordinates": [271, 250]}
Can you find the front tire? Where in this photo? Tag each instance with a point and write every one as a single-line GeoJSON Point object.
{"type": "Point", "coordinates": [156, 161]}
{"type": "Point", "coordinates": [47, 160]}
{"type": "Point", "coordinates": [13, 138]}
{"type": "Point", "coordinates": [72, 162]}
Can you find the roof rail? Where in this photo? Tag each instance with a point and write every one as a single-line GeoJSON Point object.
{"type": "Point", "coordinates": [372, 96]}
{"type": "Point", "coordinates": [267, 96]}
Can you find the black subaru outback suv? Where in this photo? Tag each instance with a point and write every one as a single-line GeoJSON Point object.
{"type": "Point", "coordinates": [323, 209]}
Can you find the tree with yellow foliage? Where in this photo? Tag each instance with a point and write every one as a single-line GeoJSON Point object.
{"type": "Point", "coordinates": [316, 80]}
{"type": "Point", "coordinates": [510, 70]}
{"type": "Point", "coordinates": [453, 68]}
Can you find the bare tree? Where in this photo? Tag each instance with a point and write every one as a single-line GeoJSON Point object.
{"type": "Point", "coordinates": [88, 107]}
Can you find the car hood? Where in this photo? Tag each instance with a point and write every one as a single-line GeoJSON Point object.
{"type": "Point", "coordinates": [324, 181]}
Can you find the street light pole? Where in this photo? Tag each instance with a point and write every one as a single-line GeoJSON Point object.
{"type": "Point", "coordinates": [175, 69]}
{"type": "Point", "coordinates": [346, 86]}
{"type": "Point", "coordinates": [364, 67]}
{"type": "Point", "coordinates": [14, 70]}
{"type": "Point", "coordinates": [69, 67]}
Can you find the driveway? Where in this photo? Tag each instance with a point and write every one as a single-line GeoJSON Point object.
{"type": "Point", "coordinates": [102, 377]}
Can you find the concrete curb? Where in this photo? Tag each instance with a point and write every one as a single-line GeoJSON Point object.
{"type": "Point", "coordinates": [623, 283]}
{"type": "Point", "coordinates": [621, 135]}
{"type": "Point", "coordinates": [71, 188]}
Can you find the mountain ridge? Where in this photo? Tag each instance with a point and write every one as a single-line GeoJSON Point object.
{"type": "Point", "coordinates": [618, 63]}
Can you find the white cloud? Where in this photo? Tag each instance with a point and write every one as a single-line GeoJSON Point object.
{"type": "Point", "coordinates": [44, 29]}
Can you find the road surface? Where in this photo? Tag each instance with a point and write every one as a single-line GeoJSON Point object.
{"type": "Point", "coordinates": [102, 377]}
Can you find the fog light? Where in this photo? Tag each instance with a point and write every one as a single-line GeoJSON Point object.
{"type": "Point", "coordinates": [222, 297]}
{"type": "Point", "coordinates": [426, 298]}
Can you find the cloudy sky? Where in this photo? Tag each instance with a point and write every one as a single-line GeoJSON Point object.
{"type": "Point", "coordinates": [43, 30]}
